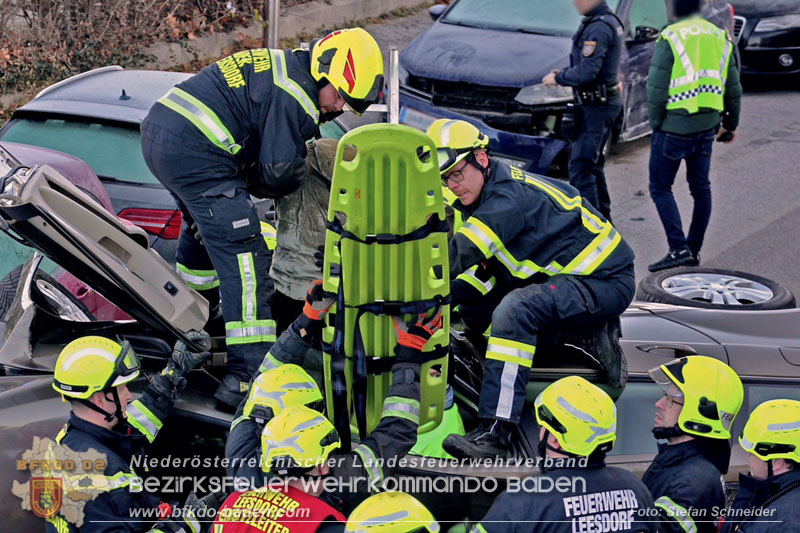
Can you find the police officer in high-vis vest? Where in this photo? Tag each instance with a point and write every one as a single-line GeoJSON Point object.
{"type": "Point", "coordinates": [578, 427]}
{"type": "Point", "coordinates": [768, 499]}
{"type": "Point", "coordinates": [701, 398]}
{"type": "Point", "coordinates": [531, 259]}
{"type": "Point", "coordinates": [692, 85]}
{"type": "Point", "coordinates": [92, 373]}
{"type": "Point", "coordinates": [238, 128]}
{"type": "Point", "coordinates": [594, 62]}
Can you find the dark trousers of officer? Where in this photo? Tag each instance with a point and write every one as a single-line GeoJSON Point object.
{"type": "Point", "coordinates": [209, 192]}
{"type": "Point", "coordinates": [667, 150]}
{"type": "Point", "coordinates": [586, 159]}
{"type": "Point", "coordinates": [534, 316]}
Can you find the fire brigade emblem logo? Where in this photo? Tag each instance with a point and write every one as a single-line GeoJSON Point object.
{"type": "Point", "coordinates": [46, 496]}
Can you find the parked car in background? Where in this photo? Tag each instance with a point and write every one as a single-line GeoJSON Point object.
{"type": "Point", "coordinates": [485, 61]}
{"type": "Point", "coordinates": [767, 33]}
{"type": "Point", "coordinates": [95, 117]}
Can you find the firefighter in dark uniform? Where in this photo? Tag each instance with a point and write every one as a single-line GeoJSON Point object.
{"type": "Point", "coordinates": [702, 397]}
{"type": "Point", "coordinates": [239, 128]}
{"type": "Point", "coordinates": [531, 259]}
{"type": "Point", "coordinates": [768, 499]}
{"type": "Point", "coordinates": [594, 62]}
{"type": "Point", "coordinates": [578, 424]}
{"type": "Point", "coordinates": [92, 373]}
{"type": "Point", "coordinates": [394, 437]}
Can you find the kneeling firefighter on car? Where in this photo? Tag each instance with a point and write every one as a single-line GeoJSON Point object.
{"type": "Point", "coordinates": [531, 259]}
{"type": "Point", "coordinates": [238, 128]}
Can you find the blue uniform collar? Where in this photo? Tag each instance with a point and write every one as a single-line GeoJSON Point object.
{"type": "Point", "coordinates": [119, 442]}
{"type": "Point", "coordinates": [758, 491]}
{"type": "Point", "coordinates": [716, 451]}
{"type": "Point", "coordinates": [599, 10]}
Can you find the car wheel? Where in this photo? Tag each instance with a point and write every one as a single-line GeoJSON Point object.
{"type": "Point", "coordinates": [713, 288]}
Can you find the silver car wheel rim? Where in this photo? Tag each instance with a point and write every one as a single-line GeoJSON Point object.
{"type": "Point", "coordinates": [66, 307]}
{"type": "Point", "coordinates": [717, 289]}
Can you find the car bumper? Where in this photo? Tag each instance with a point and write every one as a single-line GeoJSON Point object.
{"type": "Point", "coordinates": [771, 61]}
{"type": "Point", "coordinates": [771, 53]}
{"type": "Point", "coordinates": [528, 152]}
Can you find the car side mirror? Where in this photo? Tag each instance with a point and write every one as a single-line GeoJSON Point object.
{"type": "Point", "coordinates": [436, 11]}
{"type": "Point", "coordinates": [645, 34]}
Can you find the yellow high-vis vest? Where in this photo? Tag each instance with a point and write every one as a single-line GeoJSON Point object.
{"type": "Point", "coordinates": [702, 54]}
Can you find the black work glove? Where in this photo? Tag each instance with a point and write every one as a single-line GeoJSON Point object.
{"type": "Point", "coordinates": [169, 384]}
{"type": "Point", "coordinates": [184, 360]}
{"type": "Point", "coordinates": [309, 324]}
{"type": "Point", "coordinates": [319, 257]}
{"type": "Point", "coordinates": [413, 336]}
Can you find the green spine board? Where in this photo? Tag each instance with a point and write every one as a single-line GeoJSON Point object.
{"type": "Point", "coordinates": [387, 189]}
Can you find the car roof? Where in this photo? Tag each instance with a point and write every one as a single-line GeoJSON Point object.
{"type": "Point", "coordinates": [98, 94]}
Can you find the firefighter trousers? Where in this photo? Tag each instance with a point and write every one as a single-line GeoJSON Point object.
{"type": "Point", "coordinates": [533, 316]}
{"type": "Point", "coordinates": [233, 259]}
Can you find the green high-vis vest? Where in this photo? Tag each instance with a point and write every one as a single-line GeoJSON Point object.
{"type": "Point", "coordinates": [702, 55]}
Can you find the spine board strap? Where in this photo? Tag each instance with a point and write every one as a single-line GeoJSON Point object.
{"type": "Point", "coordinates": [433, 225]}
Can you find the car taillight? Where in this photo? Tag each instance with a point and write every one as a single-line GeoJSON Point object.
{"type": "Point", "coordinates": [160, 222]}
{"type": "Point", "coordinates": [732, 11]}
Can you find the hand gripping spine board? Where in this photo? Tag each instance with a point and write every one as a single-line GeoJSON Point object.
{"type": "Point", "coordinates": [385, 254]}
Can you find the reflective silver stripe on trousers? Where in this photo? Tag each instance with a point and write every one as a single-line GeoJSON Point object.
{"type": "Point", "coordinates": [505, 403]}
{"type": "Point", "coordinates": [250, 331]}
{"type": "Point", "coordinates": [249, 282]}
{"type": "Point", "coordinates": [207, 121]}
{"type": "Point", "coordinates": [141, 418]}
{"type": "Point", "coordinates": [514, 352]}
{"type": "Point", "coordinates": [197, 280]}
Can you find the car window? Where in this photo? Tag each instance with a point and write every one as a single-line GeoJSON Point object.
{"type": "Point", "coordinates": [635, 412]}
{"type": "Point", "coordinates": [760, 393]}
{"type": "Point", "coordinates": [112, 151]}
{"type": "Point", "coordinates": [550, 17]}
{"type": "Point", "coordinates": [650, 13]}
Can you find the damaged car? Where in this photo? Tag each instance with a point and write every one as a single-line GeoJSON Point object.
{"type": "Point", "coordinates": [484, 62]}
{"type": "Point", "coordinates": [45, 210]}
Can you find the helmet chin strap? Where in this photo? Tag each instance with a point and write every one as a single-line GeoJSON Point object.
{"type": "Point", "coordinates": [544, 446]}
{"type": "Point", "coordinates": [108, 416]}
{"type": "Point", "coordinates": [668, 433]}
{"type": "Point", "coordinates": [472, 160]}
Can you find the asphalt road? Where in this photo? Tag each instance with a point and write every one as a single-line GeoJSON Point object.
{"type": "Point", "coordinates": [755, 224]}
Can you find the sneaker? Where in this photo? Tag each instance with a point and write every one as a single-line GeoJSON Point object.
{"type": "Point", "coordinates": [232, 391]}
{"type": "Point", "coordinates": [487, 441]}
{"type": "Point", "coordinates": [675, 258]}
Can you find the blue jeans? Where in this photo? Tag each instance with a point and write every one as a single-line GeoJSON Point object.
{"type": "Point", "coordinates": [666, 153]}
{"type": "Point", "coordinates": [586, 159]}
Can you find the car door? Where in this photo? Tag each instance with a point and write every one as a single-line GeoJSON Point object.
{"type": "Point", "coordinates": [644, 20]}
